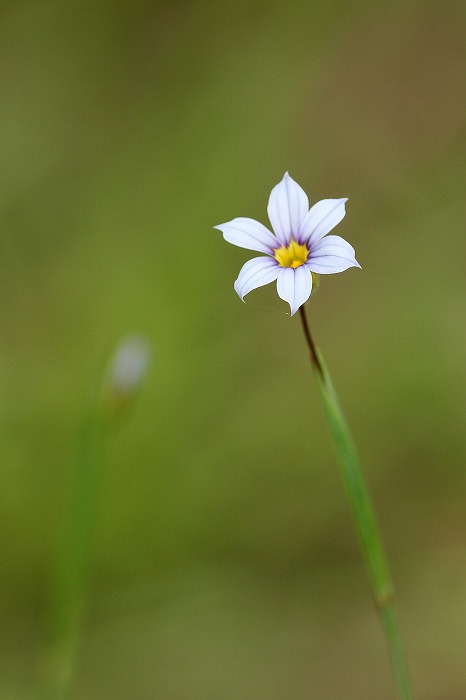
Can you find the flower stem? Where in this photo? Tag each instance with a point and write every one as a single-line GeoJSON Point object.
{"type": "Point", "coordinates": [111, 392]}
{"type": "Point", "coordinates": [307, 333]}
{"type": "Point", "coordinates": [364, 517]}
{"type": "Point", "coordinates": [72, 567]}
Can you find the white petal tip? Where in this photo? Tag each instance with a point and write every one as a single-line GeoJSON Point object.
{"type": "Point", "coordinates": [241, 296]}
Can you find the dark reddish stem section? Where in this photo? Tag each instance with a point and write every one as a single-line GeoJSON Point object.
{"type": "Point", "coordinates": [309, 341]}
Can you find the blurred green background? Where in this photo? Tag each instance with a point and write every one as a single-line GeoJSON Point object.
{"type": "Point", "coordinates": [225, 565]}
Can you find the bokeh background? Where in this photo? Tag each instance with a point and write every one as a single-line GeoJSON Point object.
{"type": "Point", "coordinates": [224, 562]}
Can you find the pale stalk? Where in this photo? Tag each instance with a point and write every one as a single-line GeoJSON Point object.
{"type": "Point", "coordinates": [364, 517]}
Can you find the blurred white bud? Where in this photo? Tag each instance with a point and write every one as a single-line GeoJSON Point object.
{"type": "Point", "coordinates": [128, 368]}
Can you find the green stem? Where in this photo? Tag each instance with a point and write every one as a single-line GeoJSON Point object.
{"type": "Point", "coordinates": [71, 576]}
{"type": "Point", "coordinates": [112, 391]}
{"type": "Point", "coordinates": [364, 517]}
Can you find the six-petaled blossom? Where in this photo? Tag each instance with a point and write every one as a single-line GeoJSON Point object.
{"type": "Point", "coordinates": [299, 247]}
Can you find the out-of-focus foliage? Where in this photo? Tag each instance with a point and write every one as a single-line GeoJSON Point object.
{"type": "Point", "coordinates": [225, 564]}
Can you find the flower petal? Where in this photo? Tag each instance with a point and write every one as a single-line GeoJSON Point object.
{"type": "Point", "coordinates": [248, 233]}
{"type": "Point", "coordinates": [288, 205]}
{"type": "Point", "coordinates": [321, 218]}
{"type": "Point", "coordinates": [294, 286]}
{"type": "Point", "coordinates": [255, 273]}
{"type": "Point", "coordinates": [331, 254]}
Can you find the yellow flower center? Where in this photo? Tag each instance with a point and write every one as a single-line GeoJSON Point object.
{"type": "Point", "coordinates": [292, 255]}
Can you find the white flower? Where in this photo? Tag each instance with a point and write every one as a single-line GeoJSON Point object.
{"type": "Point", "coordinates": [299, 247]}
{"type": "Point", "coordinates": [128, 366]}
